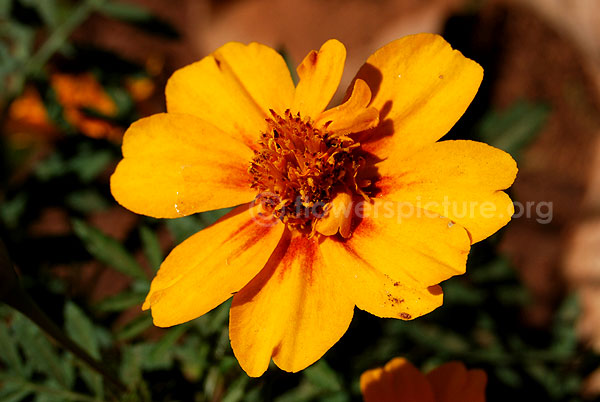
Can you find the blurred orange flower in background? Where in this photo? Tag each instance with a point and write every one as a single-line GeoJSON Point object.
{"type": "Point", "coordinates": [78, 94]}
{"type": "Point", "coordinates": [309, 239]}
{"type": "Point", "coordinates": [400, 381]}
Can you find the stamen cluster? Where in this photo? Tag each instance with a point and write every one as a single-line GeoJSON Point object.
{"type": "Point", "coordinates": [299, 168]}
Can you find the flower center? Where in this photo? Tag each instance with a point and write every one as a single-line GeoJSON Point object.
{"type": "Point", "coordinates": [300, 168]}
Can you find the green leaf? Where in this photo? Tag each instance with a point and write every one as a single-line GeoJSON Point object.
{"type": "Point", "coordinates": [289, 63]}
{"type": "Point", "coordinates": [38, 350]}
{"type": "Point", "coordinates": [151, 247]}
{"type": "Point", "coordinates": [456, 293]}
{"type": "Point", "coordinates": [497, 270]}
{"type": "Point", "coordinates": [215, 321]}
{"type": "Point", "coordinates": [47, 392]}
{"type": "Point", "coordinates": [303, 393]}
{"type": "Point", "coordinates": [509, 377]}
{"type": "Point", "coordinates": [89, 163]}
{"type": "Point", "coordinates": [120, 302]}
{"type": "Point", "coordinates": [12, 210]}
{"type": "Point", "coordinates": [512, 129]}
{"type": "Point", "coordinates": [194, 357]}
{"type": "Point", "coordinates": [5, 7]}
{"type": "Point", "coordinates": [184, 227]}
{"type": "Point", "coordinates": [124, 11]}
{"type": "Point", "coordinates": [123, 101]}
{"type": "Point", "coordinates": [52, 166]}
{"type": "Point", "coordinates": [107, 250]}
{"type": "Point", "coordinates": [165, 345]}
{"type": "Point", "coordinates": [138, 16]}
{"type": "Point", "coordinates": [86, 201]}
{"type": "Point", "coordinates": [14, 392]}
{"type": "Point", "coordinates": [209, 217]}
{"type": "Point", "coordinates": [322, 376]}
{"type": "Point", "coordinates": [135, 327]}
{"type": "Point", "coordinates": [10, 353]}
{"type": "Point", "coordinates": [236, 390]}
{"type": "Point", "coordinates": [81, 330]}
{"type": "Point", "coordinates": [140, 357]}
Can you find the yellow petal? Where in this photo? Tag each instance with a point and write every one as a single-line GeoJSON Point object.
{"type": "Point", "coordinates": [452, 382]}
{"type": "Point", "coordinates": [294, 310]}
{"type": "Point", "coordinates": [395, 258]}
{"type": "Point", "coordinates": [320, 74]}
{"type": "Point", "coordinates": [176, 165]}
{"type": "Point", "coordinates": [377, 293]}
{"type": "Point", "coordinates": [398, 381]}
{"type": "Point", "coordinates": [353, 115]}
{"type": "Point", "coordinates": [233, 88]}
{"type": "Point", "coordinates": [421, 87]}
{"type": "Point", "coordinates": [457, 179]}
{"type": "Point", "coordinates": [209, 267]}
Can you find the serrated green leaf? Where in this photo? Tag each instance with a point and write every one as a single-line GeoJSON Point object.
{"type": "Point", "coordinates": [48, 392]}
{"type": "Point", "coordinates": [38, 350]}
{"type": "Point", "coordinates": [81, 330]}
{"type": "Point", "coordinates": [107, 250]}
{"type": "Point", "coordinates": [10, 353]}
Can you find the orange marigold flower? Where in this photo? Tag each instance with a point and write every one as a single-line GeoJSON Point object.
{"type": "Point", "coordinates": [76, 92]}
{"type": "Point", "coordinates": [336, 208]}
{"type": "Point", "coordinates": [140, 88]}
{"type": "Point", "coordinates": [400, 381]}
{"type": "Point", "coordinates": [29, 109]}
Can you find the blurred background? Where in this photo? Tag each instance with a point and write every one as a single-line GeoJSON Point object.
{"type": "Point", "coordinates": [75, 74]}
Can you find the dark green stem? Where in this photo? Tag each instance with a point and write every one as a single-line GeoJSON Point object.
{"type": "Point", "coordinates": [59, 36]}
